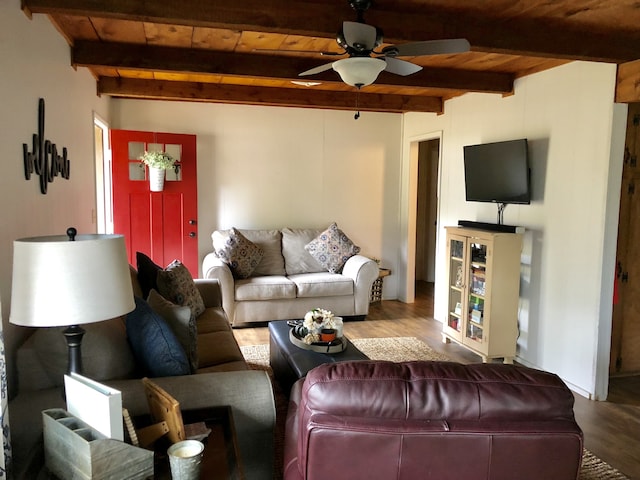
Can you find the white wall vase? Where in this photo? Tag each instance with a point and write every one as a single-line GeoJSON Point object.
{"type": "Point", "coordinates": [156, 179]}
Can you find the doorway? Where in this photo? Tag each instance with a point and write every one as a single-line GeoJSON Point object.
{"type": "Point", "coordinates": [423, 179]}
{"type": "Point", "coordinates": [102, 151]}
{"type": "Point", "coordinates": [427, 210]}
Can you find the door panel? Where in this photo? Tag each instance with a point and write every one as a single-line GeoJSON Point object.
{"type": "Point", "coordinates": [174, 226]}
{"type": "Point", "coordinates": [625, 334]}
{"type": "Point", "coordinates": [156, 223]}
{"type": "Point", "coordinates": [138, 218]}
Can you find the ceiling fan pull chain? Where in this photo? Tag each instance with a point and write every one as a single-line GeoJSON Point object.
{"type": "Point", "coordinates": [357, 115]}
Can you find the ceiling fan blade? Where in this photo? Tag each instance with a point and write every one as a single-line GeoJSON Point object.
{"type": "Point", "coordinates": [401, 67]}
{"type": "Point", "coordinates": [313, 71]}
{"type": "Point", "coordinates": [429, 47]}
{"type": "Point", "coordinates": [360, 36]}
{"type": "Point", "coordinates": [293, 52]}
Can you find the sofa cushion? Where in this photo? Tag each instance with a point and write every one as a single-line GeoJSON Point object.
{"type": "Point", "coordinates": [213, 320]}
{"type": "Point", "coordinates": [147, 273]}
{"type": "Point", "coordinates": [332, 248]}
{"type": "Point", "coordinates": [218, 348]}
{"type": "Point", "coordinates": [232, 247]}
{"type": "Point", "coordinates": [176, 284]}
{"type": "Point", "coordinates": [265, 288]}
{"type": "Point", "coordinates": [232, 366]}
{"type": "Point", "coordinates": [101, 340]}
{"type": "Point", "coordinates": [156, 348]}
{"type": "Point", "coordinates": [181, 322]}
{"type": "Point", "coordinates": [270, 241]}
{"type": "Point", "coordinates": [322, 284]}
{"type": "Point", "coordinates": [296, 258]}
{"type": "Point", "coordinates": [216, 343]}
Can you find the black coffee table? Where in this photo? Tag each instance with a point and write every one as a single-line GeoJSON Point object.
{"type": "Point", "coordinates": [290, 363]}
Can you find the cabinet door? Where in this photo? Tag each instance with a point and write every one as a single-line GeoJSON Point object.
{"type": "Point", "coordinates": [476, 328]}
{"type": "Point", "coordinates": [458, 298]}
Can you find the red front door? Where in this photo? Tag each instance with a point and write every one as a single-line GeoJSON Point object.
{"type": "Point", "coordinates": [163, 225]}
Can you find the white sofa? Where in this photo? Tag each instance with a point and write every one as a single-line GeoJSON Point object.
{"type": "Point", "coordinates": [288, 281]}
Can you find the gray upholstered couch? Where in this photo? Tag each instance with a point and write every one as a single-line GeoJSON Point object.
{"type": "Point", "coordinates": [223, 378]}
{"type": "Point", "coordinates": [288, 281]}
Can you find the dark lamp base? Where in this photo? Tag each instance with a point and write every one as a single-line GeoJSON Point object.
{"type": "Point", "coordinates": [74, 334]}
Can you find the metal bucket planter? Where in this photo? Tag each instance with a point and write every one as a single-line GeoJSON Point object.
{"type": "Point", "coordinates": [156, 179]}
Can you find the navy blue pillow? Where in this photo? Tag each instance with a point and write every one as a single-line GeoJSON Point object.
{"type": "Point", "coordinates": [154, 344]}
{"type": "Point", "coordinates": [147, 273]}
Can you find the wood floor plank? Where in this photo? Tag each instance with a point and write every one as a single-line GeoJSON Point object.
{"type": "Point", "coordinates": [611, 428]}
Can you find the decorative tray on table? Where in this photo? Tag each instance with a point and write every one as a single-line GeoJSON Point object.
{"type": "Point", "coordinates": [298, 332]}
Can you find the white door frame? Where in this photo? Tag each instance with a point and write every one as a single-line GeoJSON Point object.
{"type": "Point", "coordinates": [104, 200]}
{"type": "Point", "coordinates": [408, 211]}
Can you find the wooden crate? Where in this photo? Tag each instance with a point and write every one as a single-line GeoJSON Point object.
{"type": "Point", "coordinates": [72, 449]}
{"type": "Point", "coordinates": [376, 288]}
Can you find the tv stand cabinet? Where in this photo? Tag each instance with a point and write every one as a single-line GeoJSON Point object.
{"type": "Point", "coordinates": [483, 284]}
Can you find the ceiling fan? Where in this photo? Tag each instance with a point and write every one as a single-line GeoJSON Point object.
{"type": "Point", "coordinates": [364, 64]}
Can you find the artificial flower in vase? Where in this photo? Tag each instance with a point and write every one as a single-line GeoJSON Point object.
{"type": "Point", "coordinates": [321, 325]}
{"type": "Point", "coordinates": [157, 162]}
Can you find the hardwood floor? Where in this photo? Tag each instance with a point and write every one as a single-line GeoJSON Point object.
{"type": "Point", "coordinates": [611, 428]}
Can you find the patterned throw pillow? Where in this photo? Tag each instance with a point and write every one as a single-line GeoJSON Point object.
{"type": "Point", "coordinates": [332, 248]}
{"type": "Point", "coordinates": [176, 284]}
{"type": "Point", "coordinates": [242, 255]}
{"type": "Point", "coordinates": [181, 322]}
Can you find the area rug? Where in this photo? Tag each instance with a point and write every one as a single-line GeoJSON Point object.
{"type": "Point", "coordinates": [398, 349]}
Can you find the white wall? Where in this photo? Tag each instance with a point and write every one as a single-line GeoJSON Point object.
{"type": "Point", "coordinates": [35, 63]}
{"type": "Point", "coordinates": [576, 139]}
{"type": "Point", "coordinates": [268, 167]}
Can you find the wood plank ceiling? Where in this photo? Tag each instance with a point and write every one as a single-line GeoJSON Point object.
{"type": "Point", "coordinates": [250, 51]}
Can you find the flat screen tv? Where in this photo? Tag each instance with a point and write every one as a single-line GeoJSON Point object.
{"type": "Point", "coordinates": [497, 172]}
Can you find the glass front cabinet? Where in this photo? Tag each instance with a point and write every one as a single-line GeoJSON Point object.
{"type": "Point", "coordinates": [483, 282]}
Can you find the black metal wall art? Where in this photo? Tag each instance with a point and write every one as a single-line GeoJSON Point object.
{"type": "Point", "coordinates": [43, 158]}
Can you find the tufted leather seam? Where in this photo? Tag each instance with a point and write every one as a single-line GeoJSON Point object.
{"type": "Point", "coordinates": [479, 397]}
{"type": "Point", "coordinates": [400, 457]}
{"type": "Point", "coordinates": [442, 378]}
{"type": "Point", "coordinates": [490, 457]}
{"type": "Point", "coordinates": [407, 407]}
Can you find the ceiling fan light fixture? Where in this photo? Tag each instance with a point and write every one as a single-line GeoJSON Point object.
{"type": "Point", "coordinates": [359, 71]}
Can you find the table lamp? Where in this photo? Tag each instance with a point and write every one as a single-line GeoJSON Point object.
{"type": "Point", "coordinates": [69, 281]}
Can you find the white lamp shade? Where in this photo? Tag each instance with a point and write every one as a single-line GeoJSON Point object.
{"type": "Point", "coordinates": [359, 71]}
{"type": "Point", "coordinates": [57, 282]}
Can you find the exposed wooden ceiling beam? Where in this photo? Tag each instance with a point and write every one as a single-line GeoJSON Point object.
{"type": "Point", "coordinates": [544, 40]}
{"type": "Point", "coordinates": [278, 16]}
{"type": "Point", "coordinates": [154, 58]}
{"type": "Point", "coordinates": [285, 97]}
{"type": "Point", "coordinates": [322, 19]}
{"type": "Point", "coordinates": [628, 83]}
